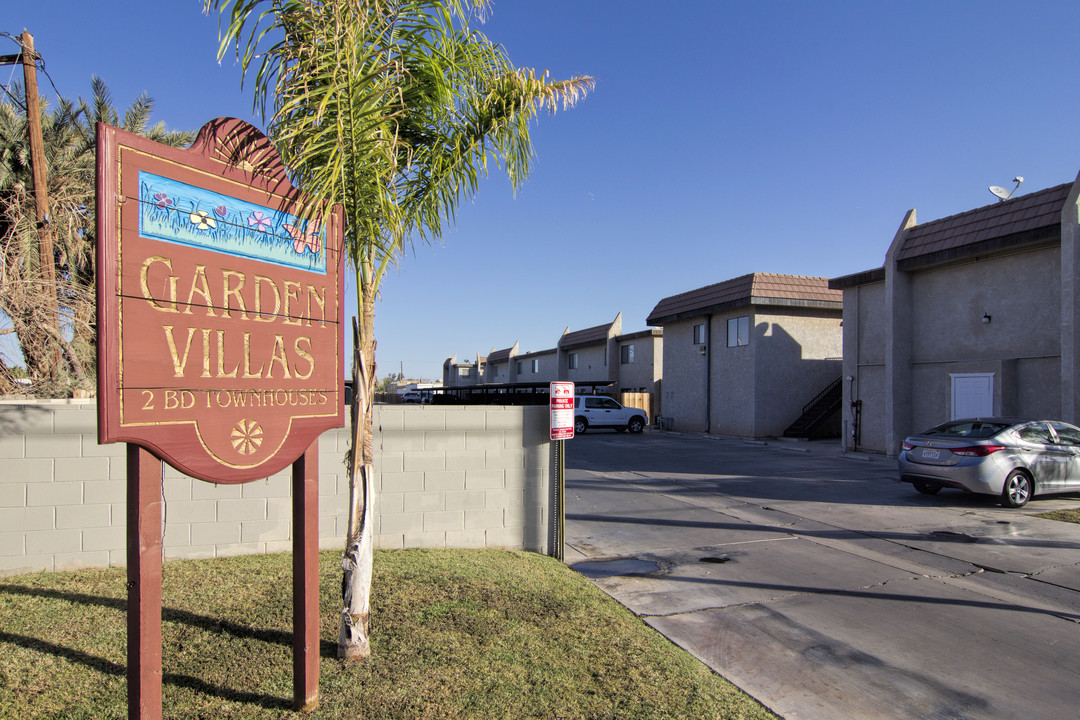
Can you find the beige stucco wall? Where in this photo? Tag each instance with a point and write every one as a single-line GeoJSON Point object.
{"type": "Point", "coordinates": [648, 366]}
{"type": "Point", "coordinates": [683, 396]}
{"type": "Point", "coordinates": [592, 363]}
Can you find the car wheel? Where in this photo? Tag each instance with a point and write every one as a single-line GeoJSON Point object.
{"type": "Point", "coordinates": [927, 488]}
{"type": "Point", "coordinates": [1018, 489]}
{"type": "Point", "coordinates": [635, 425]}
{"type": "Point", "coordinates": [580, 425]}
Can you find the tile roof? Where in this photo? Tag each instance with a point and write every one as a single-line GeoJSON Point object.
{"type": "Point", "coordinates": [1027, 217]}
{"type": "Point", "coordinates": [752, 289]}
{"type": "Point", "coordinates": [588, 336]}
{"type": "Point", "coordinates": [499, 355]}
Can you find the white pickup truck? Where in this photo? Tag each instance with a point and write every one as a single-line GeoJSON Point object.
{"type": "Point", "coordinates": [600, 411]}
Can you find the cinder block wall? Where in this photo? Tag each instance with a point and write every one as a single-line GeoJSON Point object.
{"type": "Point", "coordinates": [447, 476]}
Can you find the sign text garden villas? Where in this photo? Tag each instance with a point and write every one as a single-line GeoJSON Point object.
{"type": "Point", "coordinates": [219, 350]}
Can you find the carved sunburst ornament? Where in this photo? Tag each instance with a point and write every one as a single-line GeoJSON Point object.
{"type": "Point", "coordinates": [247, 436]}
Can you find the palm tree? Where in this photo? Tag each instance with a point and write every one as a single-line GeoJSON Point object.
{"type": "Point", "coordinates": [392, 109]}
{"type": "Point", "coordinates": [68, 134]}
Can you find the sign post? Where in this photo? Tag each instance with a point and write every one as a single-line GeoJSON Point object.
{"type": "Point", "coordinates": [220, 307]}
{"type": "Point", "coordinates": [561, 399]}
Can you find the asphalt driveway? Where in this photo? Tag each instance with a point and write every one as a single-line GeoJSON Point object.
{"type": "Point", "coordinates": [823, 586]}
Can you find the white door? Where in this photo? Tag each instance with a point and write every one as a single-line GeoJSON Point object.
{"type": "Point", "coordinates": [972, 395]}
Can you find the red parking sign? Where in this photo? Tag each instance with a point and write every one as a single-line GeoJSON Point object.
{"type": "Point", "coordinates": [562, 410]}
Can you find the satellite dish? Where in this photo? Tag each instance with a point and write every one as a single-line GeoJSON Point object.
{"type": "Point", "coordinates": [1003, 194]}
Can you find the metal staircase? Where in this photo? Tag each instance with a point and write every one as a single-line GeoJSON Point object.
{"type": "Point", "coordinates": [814, 421]}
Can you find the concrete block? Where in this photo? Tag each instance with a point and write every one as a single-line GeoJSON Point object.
{"type": "Point", "coordinates": [465, 460]}
{"type": "Point", "coordinates": [29, 470]}
{"type": "Point", "coordinates": [80, 468]}
{"type": "Point", "coordinates": [447, 480]}
{"type": "Point", "coordinates": [386, 504]}
{"type": "Point", "coordinates": [245, 509]}
{"type": "Point", "coordinates": [483, 519]}
{"type": "Point", "coordinates": [466, 538]}
{"type": "Point", "coordinates": [177, 535]}
{"type": "Point", "coordinates": [388, 419]}
{"type": "Point", "coordinates": [328, 532]}
{"type": "Point", "coordinates": [214, 533]}
{"type": "Point", "coordinates": [442, 442]}
{"type": "Point", "coordinates": [443, 521]}
{"type": "Point", "coordinates": [13, 543]}
{"type": "Point", "coordinates": [91, 448]}
{"type": "Point", "coordinates": [74, 517]}
{"type": "Point", "coordinates": [53, 446]}
{"type": "Point", "coordinates": [29, 419]}
{"type": "Point", "coordinates": [55, 493]}
{"type": "Point", "coordinates": [26, 519]}
{"type": "Point", "coordinates": [53, 542]}
{"type": "Point", "coordinates": [465, 500]}
{"type": "Point", "coordinates": [504, 498]}
{"type": "Point", "coordinates": [389, 542]}
{"type": "Point", "coordinates": [190, 511]}
{"type": "Point", "coordinates": [75, 560]}
{"type": "Point", "coordinates": [11, 565]}
{"type": "Point", "coordinates": [485, 480]}
{"type": "Point", "coordinates": [424, 502]}
{"type": "Point", "coordinates": [283, 507]}
{"type": "Point", "coordinates": [424, 418]}
{"type": "Point", "coordinates": [465, 418]}
{"type": "Point", "coordinates": [404, 441]}
{"type": "Point", "coordinates": [118, 558]}
{"type": "Point", "coordinates": [278, 546]}
{"type": "Point", "coordinates": [403, 482]}
{"type": "Point", "coordinates": [179, 488]}
{"type": "Point", "coordinates": [75, 419]}
{"type": "Point", "coordinates": [245, 548]}
{"type": "Point", "coordinates": [215, 491]}
{"type": "Point", "coordinates": [505, 419]}
{"type": "Point", "coordinates": [522, 516]}
{"type": "Point", "coordinates": [12, 446]}
{"type": "Point", "coordinates": [107, 538]}
{"type": "Point", "coordinates": [108, 492]}
{"type": "Point", "coordinates": [191, 552]}
{"type": "Point", "coordinates": [401, 524]}
{"type": "Point", "coordinates": [390, 461]}
{"type": "Point", "coordinates": [484, 441]}
{"type": "Point", "coordinates": [12, 495]}
{"type": "Point", "coordinates": [424, 540]}
{"type": "Point", "coordinates": [277, 486]}
{"type": "Point", "coordinates": [264, 530]}
{"type": "Point", "coordinates": [512, 538]}
{"type": "Point", "coordinates": [424, 461]}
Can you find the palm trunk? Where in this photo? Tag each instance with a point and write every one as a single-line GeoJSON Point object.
{"type": "Point", "coordinates": [353, 639]}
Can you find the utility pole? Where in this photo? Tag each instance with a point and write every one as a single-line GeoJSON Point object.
{"type": "Point", "coordinates": [29, 57]}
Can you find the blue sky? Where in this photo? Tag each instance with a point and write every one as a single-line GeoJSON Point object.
{"type": "Point", "coordinates": [721, 139]}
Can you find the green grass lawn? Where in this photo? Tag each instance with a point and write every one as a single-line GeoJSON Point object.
{"type": "Point", "coordinates": [456, 634]}
{"type": "Point", "coordinates": [1072, 515]}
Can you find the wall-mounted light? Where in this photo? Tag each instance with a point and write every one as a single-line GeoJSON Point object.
{"type": "Point", "coordinates": [986, 317]}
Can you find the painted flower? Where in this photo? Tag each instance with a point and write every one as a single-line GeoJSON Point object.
{"type": "Point", "coordinates": [221, 211]}
{"type": "Point", "coordinates": [202, 220]}
{"type": "Point", "coordinates": [162, 200]}
{"type": "Point", "coordinates": [259, 221]}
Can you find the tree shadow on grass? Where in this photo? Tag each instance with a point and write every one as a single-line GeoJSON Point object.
{"type": "Point", "coordinates": [104, 666]}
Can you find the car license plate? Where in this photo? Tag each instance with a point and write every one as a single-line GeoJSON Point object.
{"type": "Point", "coordinates": [931, 454]}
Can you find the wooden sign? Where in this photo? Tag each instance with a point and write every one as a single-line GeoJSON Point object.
{"type": "Point", "coordinates": [219, 307]}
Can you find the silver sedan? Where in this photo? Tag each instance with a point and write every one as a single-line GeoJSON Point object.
{"type": "Point", "coordinates": [1012, 458]}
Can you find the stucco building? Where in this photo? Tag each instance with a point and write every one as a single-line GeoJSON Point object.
{"type": "Point", "coordinates": [743, 357]}
{"type": "Point", "coordinates": [971, 315]}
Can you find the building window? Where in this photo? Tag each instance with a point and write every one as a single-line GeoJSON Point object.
{"type": "Point", "coordinates": [519, 367]}
{"type": "Point", "coordinates": [626, 354]}
{"type": "Point", "coordinates": [571, 361]}
{"type": "Point", "coordinates": [738, 331]}
{"type": "Point", "coordinates": [699, 334]}
{"type": "Point", "coordinates": [536, 365]}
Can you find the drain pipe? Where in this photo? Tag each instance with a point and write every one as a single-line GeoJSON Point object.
{"type": "Point", "coordinates": [708, 373]}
